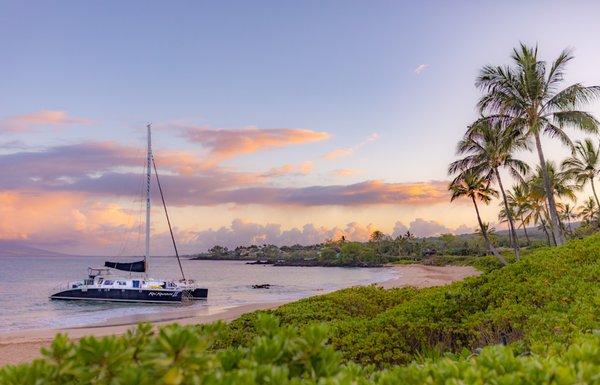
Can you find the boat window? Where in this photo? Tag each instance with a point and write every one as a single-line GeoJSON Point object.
{"type": "Point", "coordinates": [108, 282]}
{"type": "Point", "coordinates": [100, 281]}
{"type": "Point", "coordinates": [89, 282]}
{"type": "Point", "coordinates": [121, 283]}
{"type": "Point", "coordinates": [136, 283]}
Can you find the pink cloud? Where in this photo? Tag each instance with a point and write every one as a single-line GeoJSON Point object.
{"type": "Point", "coordinates": [63, 220]}
{"type": "Point", "coordinates": [244, 233]}
{"type": "Point", "coordinates": [40, 119]}
{"type": "Point", "coordinates": [75, 222]}
{"type": "Point", "coordinates": [338, 153]}
{"type": "Point", "coordinates": [109, 169]}
{"type": "Point", "coordinates": [227, 143]}
{"type": "Point", "coordinates": [428, 228]}
{"type": "Point", "coordinates": [347, 151]}
{"type": "Point", "coordinates": [75, 161]}
{"type": "Point", "coordinates": [291, 169]}
{"type": "Point", "coordinates": [343, 172]}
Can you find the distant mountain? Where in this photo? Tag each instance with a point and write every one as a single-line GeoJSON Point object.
{"type": "Point", "coordinates": [20, 249]}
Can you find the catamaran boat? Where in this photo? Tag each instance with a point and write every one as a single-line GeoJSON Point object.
{"type": "Point", "coordinates": [103, 284]}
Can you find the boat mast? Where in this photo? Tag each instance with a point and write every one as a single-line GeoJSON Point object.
{"type": "Point", "coordinates": [148, 178]}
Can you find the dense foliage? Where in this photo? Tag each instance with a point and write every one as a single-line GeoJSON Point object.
{"type": "Point", "coordinates": [546, 307]}
{"type": "Point", "coordinates": [282, 355]}
{"type": "Point", "coordinates": [541, 301]}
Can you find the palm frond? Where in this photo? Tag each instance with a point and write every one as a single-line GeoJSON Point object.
{"type": "Point", "coordinates": [581, 120]}
{"type": "Point", "coordinates": [558, 133]}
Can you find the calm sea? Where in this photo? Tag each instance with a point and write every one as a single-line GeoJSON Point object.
{"type": "Point", "coordinates": [25, 284]}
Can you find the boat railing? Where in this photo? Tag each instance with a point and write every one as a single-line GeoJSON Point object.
{"type": "Point", "coordinates": [94, 271]}
{"type": "Point", "coordinates": [63, 286]}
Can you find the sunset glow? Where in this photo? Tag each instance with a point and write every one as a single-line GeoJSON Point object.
{"type": "Point", "coordinates": [296, 129]}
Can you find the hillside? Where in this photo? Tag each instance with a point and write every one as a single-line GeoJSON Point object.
{"type": "Point", "coordinates": [9, 248]}
{"type": "Point", "coordinates": [548, 297]}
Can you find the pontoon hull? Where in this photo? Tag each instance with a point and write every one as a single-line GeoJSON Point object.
{"type": "Point", "coordinates": [127, 295]}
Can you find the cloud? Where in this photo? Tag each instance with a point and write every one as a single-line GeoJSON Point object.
{"type": "Point", "coordinates": [63, 164]}
{"type": "Point", "coordinates": [347, 151]}
{"type": "Point", "coordinates": [219, 188]}
{"type": "Point", "coordinates": [338, 153]}
{"type": "Point", "coordinates": [67, 221]}
{"type": "Point", "coordinates": [110, 169]}
{"type": "Point", "coordinates": [40, 119]}
{"type": "Point", "coordinates": [224, 144]}
{"type": "Point", "coordinates": [78, 223]}
{"type": "Point", "coordinates": [290, 169]}
{"type": "Point", "coordinates": [245, 233]}
{"type": "Point", "coordinates": [399, 229]}
{"type": "Point", "coordinates": [346, 172]}
{"type": "Point", "coordinates": [464, 229]}
{"type": "Point", "coordinates": [428, 228]}
{"type": "Point", "coordinates": [363, 193]}
{"type": "Point", "coordinates": [420, 69]}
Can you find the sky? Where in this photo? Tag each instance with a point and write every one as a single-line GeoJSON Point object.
{"type": "Point", "coordinates": [273, 121]}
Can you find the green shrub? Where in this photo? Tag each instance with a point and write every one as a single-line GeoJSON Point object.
{"type": "Point", "coordinates": [541, 302]}
{"type": "Point", "coordinates": [356, 252]}
{"type": "Point", "coordinates": [178, 355]}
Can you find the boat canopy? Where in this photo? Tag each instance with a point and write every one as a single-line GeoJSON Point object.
{"type": "Point", "coordinates": [135, 267]}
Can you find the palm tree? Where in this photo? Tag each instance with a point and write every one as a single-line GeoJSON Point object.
{"type": "Point", "coordinates": [527, 97]}
{"type": "Point", "coordinates": [519, 200]}
{"type": "Point", "coordinates": [568, 214]}
{"type": "Point", "coordinates": [587, 211]}
{"type": "Point", "coordinates": [539, 214]}
{"type": "Point", "coordinates": [486, 229]}
{"type": "Point", "coordinates": [477, 188]}
{"type": "Point", "coordinates": [561, 186]}
{"type": "Point", "coordinates": [584, 165]}
{"type": "Point", "coordinates": [377, 236]}
{"type": "Point", "coordinates": [489, 146]}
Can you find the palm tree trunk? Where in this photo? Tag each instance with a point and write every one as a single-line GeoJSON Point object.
{"type": "Point", "coordinates": [549, 224]}
{"type": "Point", "coordinates": [556, 231]}
{"type": "Point", "coordinates": [596, 197]}
{"type": "Point", "coordinates": [545, 231]}
{"type": "Point", "coordinates": [510, 235]}
{"type": "Point", "coordinates": [489, 245]}
{"type": "Point", "coordinates": [511, 223]}
{"type": "Point", "coordinates": [525, 230]}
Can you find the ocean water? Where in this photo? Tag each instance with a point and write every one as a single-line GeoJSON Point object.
{"type": "Point", "coordinates": [26, 283]}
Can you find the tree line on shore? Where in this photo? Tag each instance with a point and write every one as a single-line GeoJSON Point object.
{"type": "Point", "coordinates": [382, 248]}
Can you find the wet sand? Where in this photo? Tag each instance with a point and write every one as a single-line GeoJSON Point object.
{"type": "Point", "coordinates": [22, 346]}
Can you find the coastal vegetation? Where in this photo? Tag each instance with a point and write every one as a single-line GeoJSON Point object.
{"type": "Point", "coordinates": [534, 321]}
{"type": "Point", "coordinates": [379, 250]}
{"type": "Point", "coordinates": [532, 318]}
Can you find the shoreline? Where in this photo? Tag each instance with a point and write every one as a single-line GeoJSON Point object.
{"type": "Point", "coordinates": [24, 345]}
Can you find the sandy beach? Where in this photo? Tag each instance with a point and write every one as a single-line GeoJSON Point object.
{"type": "Point", "coordinates": [22, 346]}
